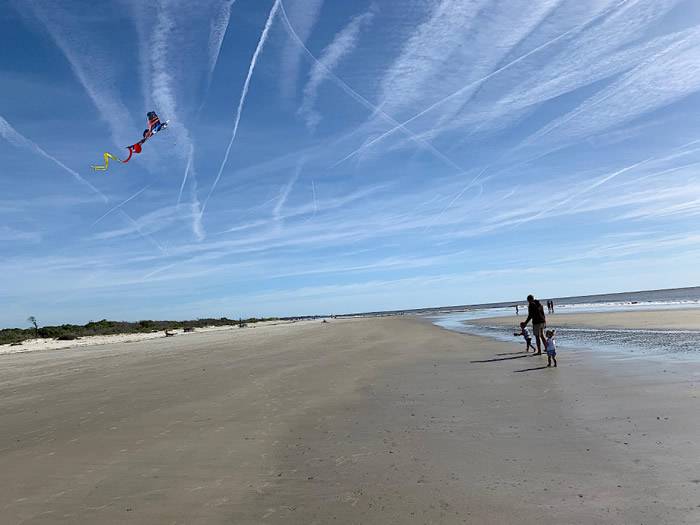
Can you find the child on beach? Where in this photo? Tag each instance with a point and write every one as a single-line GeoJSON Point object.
{"type": "Point", "coordinates": [526, 335]}
{"type": "Point", "coordinates": [551, 348]}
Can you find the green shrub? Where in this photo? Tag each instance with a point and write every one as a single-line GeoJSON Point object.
{"type": "Point", "coordinates": [68, 332]}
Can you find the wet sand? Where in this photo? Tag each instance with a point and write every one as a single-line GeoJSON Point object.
{"type": "Point", "coordinates": [687, 319]}
{"type": "Point", "coordinates": [365, 421]}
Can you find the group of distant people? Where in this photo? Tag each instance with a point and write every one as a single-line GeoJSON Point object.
{"type": "Point", "coordinates": [535, 313]}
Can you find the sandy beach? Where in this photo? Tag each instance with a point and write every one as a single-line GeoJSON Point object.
{"type": "Point", "coordinates": [362, 421]}
{"type": "Point", "coordinates": [39, 344]}
{"type": "Point", "coordinates": [676, 319]}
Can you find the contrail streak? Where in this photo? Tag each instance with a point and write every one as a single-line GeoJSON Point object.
{"type": "Point", "coordinates": [588, 188]}
{"type": "Point", "coordinates": [19, 140]}
{"type": "Point", "coordinates": [187, 171]}
{"type": "Point", "coordinates": [160, 270]}
{"type": "Point", "coordinates": [144, 235]}
{"type": "Point", "coordinates": [122, 203]}
{"type": "Point", "coordinates": [457, 197]}
{"type": "Point", "coordinates": [287, 188]}
{"type": "Point", "coordinates": [377, 111]}
{"type": "Point", "coordinates": [313, 193]}
{"type": "Point", "coordinates": [363, 101]}
{"type": "Point", "coordinates": [163, 92]}
{"type": "Point", "coordinates": [583, 108]}
{"type": "Point", "coordinates": [244, 93]}
{"type": "Point", "coordinates": [217, 32]}
{"type": "Point", "coordinates": [96, 78]}
{"type": "Point", "coordinates": [216, 37]}
{"type": "Point", "coordinates": [612, 176]}
{"type": "Point", "coordinates": [479, 81]}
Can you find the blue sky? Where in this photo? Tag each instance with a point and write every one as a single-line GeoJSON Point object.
{"type": "Point", "coordinates": [381, 154]}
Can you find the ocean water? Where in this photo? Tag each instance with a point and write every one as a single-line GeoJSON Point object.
{"type": "Point", "coordinates": [681, 343]}
{"type": "Point", "coordinates": [650, 300]}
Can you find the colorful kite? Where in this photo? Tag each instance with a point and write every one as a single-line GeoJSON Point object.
{"type": "Point", "coordinates": [154, 126]}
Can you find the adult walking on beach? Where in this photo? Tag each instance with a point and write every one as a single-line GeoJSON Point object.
{"type": "Point", "coordinates": [535, 313]}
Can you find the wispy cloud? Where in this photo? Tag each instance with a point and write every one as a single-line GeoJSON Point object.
{"type": "Point", "coordinates": [90, 63]}
{"type": "Point", "coordinates": [305, 15]}
{"type": "Point", "coordinates": [160, 56]}
{"type": "Point", "coordinates": [316, 206]}
{"type": "Point", "coordinates": [148, 224]}
{"type": "Point", "coordinates": [196, 210]}
{"type": "Point", "coordinates": [343, 44]}
{"type": "Point", "coordinates": [55, 201]}
{"type": "Point", "coordinates": [550, 205]}
{"type": "Point", "coordinates": [375, 110]}
{"type": "Point", "coordinates": [286, 189]}
{"type": "Point", "coordinates": [195, 204]}
{"type": "Point", "coordinates": [118, 206]}
{"type": "Point", "coordinates": [664, 77]}
{"type": "Point", "coordinates": [188, 167]}
{"type": "Point", "coordinates": [8, 234]}
{"type": "Point", "coordinates": [217, 32]}
{"type": "Point", "coordinates": [443, 16]}
{"type": "Point", "coordinates": [18, 140]}
{"type": "Point", "coordinates": [663, 192]}
{"type": "Point", "coordinates": [459, 195]}
{"type": "Point", "coordinates": [592, 53]}
{"type": "Point", "coordinates": [626, 248]}
{"type": "Point", "coordinates": [313, 193]}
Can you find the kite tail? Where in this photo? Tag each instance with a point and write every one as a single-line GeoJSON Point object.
{"type": "Point", "coordinates": [103, 167]}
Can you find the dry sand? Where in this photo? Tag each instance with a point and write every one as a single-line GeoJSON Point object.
{"type": "Point", "coordinates": [355, 422]}
{"type": "Point", "coordinates": [33, 345]}
{"type": "Point", "coordinates": [686, 319]}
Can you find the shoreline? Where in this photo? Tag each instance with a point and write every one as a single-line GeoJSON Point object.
{"type": "Point", "coordinates": [651, 334]}
{"type": "Point", "coordinates": [677, 319]}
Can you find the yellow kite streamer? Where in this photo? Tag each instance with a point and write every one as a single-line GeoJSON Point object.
{"type": "Point", "coordinates": [103, 167]}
